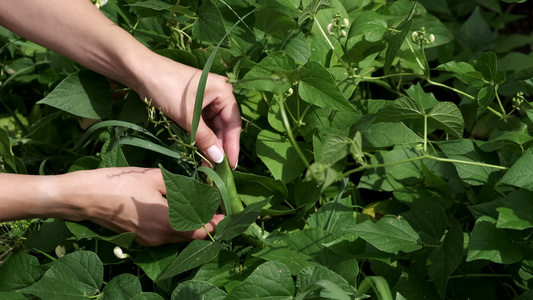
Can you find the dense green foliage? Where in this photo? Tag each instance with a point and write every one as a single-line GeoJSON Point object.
{"type": "Point", "coordinates": [386, 152]}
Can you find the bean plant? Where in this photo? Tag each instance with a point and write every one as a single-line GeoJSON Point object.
{"type": "Point", "coordinates": [385, 154]}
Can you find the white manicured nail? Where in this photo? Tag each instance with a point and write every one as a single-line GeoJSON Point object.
{"type": "Point", "coordinates": [215, 154]}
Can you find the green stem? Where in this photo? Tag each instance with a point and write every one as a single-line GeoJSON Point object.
{"type": "Point", "coordinates": [450, 88]}
{"type": "Point", "coordinates": [346, 66]}
{"type": "Point", "coordinates": [426, 156]}
{"type": "Point", "coordinates": [208, 234]}
{"type": "Point", "coordinates": [289, 130]}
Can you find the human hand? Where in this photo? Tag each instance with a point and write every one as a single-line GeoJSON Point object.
{"type": "Point", "coordinates": [126, 199]}
{"type": "Point", "coordinates": [172, 87]}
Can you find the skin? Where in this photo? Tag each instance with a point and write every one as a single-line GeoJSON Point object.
{"type": "Point", "coordinates": [121, 199]}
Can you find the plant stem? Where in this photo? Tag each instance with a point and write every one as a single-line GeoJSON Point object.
{"type": "Point", "coordinates": [426, 156]}
{"type": "Point", "coordinates": [289, 130]}
{"type": "Point", "coordinates": [208, 234]}
{"type": "Point", "coordinates": [346, 66]}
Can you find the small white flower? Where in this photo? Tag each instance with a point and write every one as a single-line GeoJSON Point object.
{"type": "Point", "coordinates": [119, 253]}
{"type": "Point", "coordinates": [343, 33]}
{"type": "Point", "coordinates": [431, 38]}
{"type": "Point", "coordinates": [330, 28]}
{"type": "Point", "coordinates": [414, 36]}
{"type": "Point", "coordinates": [60, 251]}
{"type": "Point", "coordinates": [346, 22]}
{"type": "Point", "coordinates": [289, 92]}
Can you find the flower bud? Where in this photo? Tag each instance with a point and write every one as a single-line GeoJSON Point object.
{"type": "Point", "coordinates": [119, 253]}
{"type": "Point", "coordinates": [414, 36]}
{"type": "Point", "coordinates": [60, 251]}
{"type": "Point", "coordinates": [346, 22]}
{"type": "Point", "coordinates": [343, 33]}
{"type": "Point", "coordinates": [432, 38]}
{"type": "Point", "coordinates": [330, 28]}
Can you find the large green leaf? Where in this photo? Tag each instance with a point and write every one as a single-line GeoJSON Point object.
{"type": "Point", "coordinates": [428, 221]}
{"type": "Point", "coordinates": [381, 135]}
{"type": "Point", "coordinates": [520, 174]}
{"type": "Point", "coordinates": [269, 74]}
{"type": "Point", "coordinates": [467, 150]}
{"type": "Point", "coordinates": [404, 108]}
{"type": "Point", "coordinates": [370, 24]}
{"type": "Point", "coordinates": [390, 234]}
{"type": "Point", "coordinates": [517, 211]}
{"type": "Point", "coordinates": [209, 26]}
{"type": "Point", "coordinates": [232, 226]}
{"type": "Point", "coordinates": [195, 254]}
{"type": "Point", "coordinates": [194, 289]}
{"type": "Point", "coordinates": [464, 72]}
{"type": "Point", "coordinates": [191, 203]}
{"type": "Point", "coordinates": [271, 280]}
{"type": "Point", "coordinates": [395, 41]}
{"type": "Point", "coordinates": [309, 280]}
{"type": "Point", "coordinates": [154, 260]}
{"type": "Point", "coordinates": [74, 276]}
{"type": "Point", "coordinates": [84, 231]}
{"type": "Point", "coordinates": [18, 271]}
{"type": "Point", "coordinates": [318, 87]}
{"type": "Point", "coordinates": [84, 94]}
{"type": "Point", "coordinates": [491, 243]}
{"type": "Point", "coordinates": [448, 117]}
{"type": "Point", "coordinates": [122, 287]}
{"type": "Point", "coordinates": [280, 156]}
{"type": "Point", "coordinates": [112, 155]}
{"type": "Point", "coordinates": [444, 259]}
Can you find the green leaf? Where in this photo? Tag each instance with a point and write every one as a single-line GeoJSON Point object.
{"type": "Point", "coordinates": [520, 174]}
{"type": "Point", "coordinates": [379, 285]}
{"type": "Point", "coordinates": [152, 4]}
{"type": "Point", "coordinates": [122, 287]}
{"type": "Point", "coordinates": [209, 26]}
{"type": "Point", "coordinates": [390, 234]}
{"type": "Point", "coordinates": [333, 286]}
{"type": "Point", "coordinates": [77, 275]}
{"type": "Point", "coordinates": [232, 226]}
{"type": "Point", "coordinates": [318, 87]}
{"type": "Point", "coordinates": [193, 289]}
{"type": "Point", "coordinates": [426, 100]}
{"type": "Point", "coordinates": [485, 97]}
{"type": "Point", "coordinates": [464, 72]}
{"type": "Point", "coordinates": [395, 41]}
{"type": "Point", "coordinates": [254, 188]}
{"type": "Point", "coordinates": [84, 94]}
{"type": "Point", "coordinates": [491, 243]}
{"type": "Point", "coordinates": [381, 135]}
{"type": "Point", "coordinates": [443, 260]}
{"type": "Point", "coordinates": [112, 155]}
{"type": "Point", "coordinates": [220, 270]}
{"type": "Point", "coordinates": [370, 24]}
{"type": "Point", "coordinates": [83, 231]}
{"type": "Point", "coordinates": [448, 117]}
{"type": "Point", "coordinates": [192, 204]}
{"type": "Point", "coordinates": [428, 221]}
{"type": "Point", "coordinates": [6, 153]}
{"type": "Point", "coordinates": [517, 211]}
{"type": "Point", "coordinates": [475, 35]}
{"type": "Point", "coordinates": [402, 109]}
{"type": "Point", "coordinates": [271, 280]}
{"type": "Point", "coordinates": [280, 157]}
{"type": "Point", "coordinates": [467, 150]}
{"type": "Point", "coordinates": [268, 74]}
{"type": "Point", "coordinates": [153, 260]}
{"type": "Point", "coordinates": [142, 143]}
{"type": "Point", "coordinates": [195, 254]}
{"type": "Point", "coordinates": [18, 271]}
{"type": "Point", "coordinates": [282, 253]}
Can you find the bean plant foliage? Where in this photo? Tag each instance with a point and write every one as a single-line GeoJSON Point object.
{"type": "Point", "coordinates": [385, 154]}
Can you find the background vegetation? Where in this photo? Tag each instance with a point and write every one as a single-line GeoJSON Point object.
{"type": "Point", "coordinates": [386, 153]}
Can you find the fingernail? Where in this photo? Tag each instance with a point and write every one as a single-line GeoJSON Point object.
{"type": "Point", "coordinates": [215, 154]}
{"type": "Point", "coordinates": [236, 164]}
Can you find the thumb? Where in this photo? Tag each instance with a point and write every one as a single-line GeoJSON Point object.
{"type": "Point", "coordinates": [208, 143]}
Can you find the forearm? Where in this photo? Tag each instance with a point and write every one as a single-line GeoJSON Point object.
{"type": "Point", "coordinates": [74, 28]}
{"type": "Point", "coordinates": [32, 196]}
